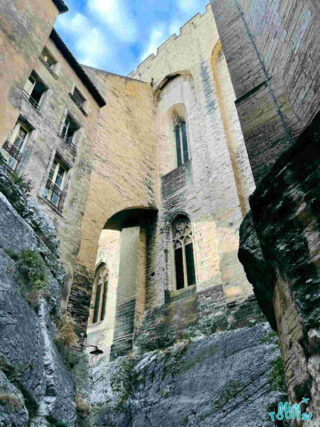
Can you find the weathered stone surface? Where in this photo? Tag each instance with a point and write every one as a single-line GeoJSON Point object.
{"type": "Point", "coordinates": [285, 33]}
{"type": "Point", "coordinates": [42, 225]}
{"type": "Point", "coordinates": [220, 380]}
{"type": "Point", "coordinates": [27, 352]}
{"type": "Point", "coordinates": [28, 356]}
{"type": "Point", "coordinates": [259, 272]}
{"type": "Point", "coordinates": [194, 315]}
{"type": "Point", "coordinates": [285, 211]}
{"type": "Point", "coordinates": [12, 409]}
{"type": "Point", "coordinates": [11, 191]}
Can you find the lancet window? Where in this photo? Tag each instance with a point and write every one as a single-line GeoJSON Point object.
{"type": "Point", "coordinates": [183, 252]}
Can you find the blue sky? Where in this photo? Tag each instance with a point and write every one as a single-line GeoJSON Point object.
{"type": "Point", "coordinates": [116, 35]}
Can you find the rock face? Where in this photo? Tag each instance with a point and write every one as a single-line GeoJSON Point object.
{"type": "Point", "coordinates": [281, 258]}
{"type": "Point", "coordinates": [35, 386]}
{"type": "Point", "coordinates": [222, 380]}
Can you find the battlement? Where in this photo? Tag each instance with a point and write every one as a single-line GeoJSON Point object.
{"type": "Point", "coordinates": [167, 44]}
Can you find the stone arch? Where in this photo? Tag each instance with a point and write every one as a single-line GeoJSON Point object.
{"type": "Point", "coordinates": [168, 78]}
{"type": "Point", "coordinates": [123, 252]}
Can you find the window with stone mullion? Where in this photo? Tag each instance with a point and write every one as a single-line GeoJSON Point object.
{"type": "Point", "coordinates": [183, 253]}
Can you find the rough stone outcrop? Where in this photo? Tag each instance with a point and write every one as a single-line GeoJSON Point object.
{"type": "Point", "coordinates": [35, 386]}
{"type": "Point", "coordinates": [222, 380]}
{"type": "Point", "coordinates": [285, 272]}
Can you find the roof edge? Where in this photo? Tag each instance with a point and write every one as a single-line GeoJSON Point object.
{"type": "Point", "coordinates": [83, 76]}
{"type": "Point", "coordinates": [61, 6]}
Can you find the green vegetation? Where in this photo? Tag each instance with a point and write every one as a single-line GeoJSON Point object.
{"type": "Point", "coordinates": [277, 378]}
{"type": "Point", "coordinates": [124, 379]}
{"type": "Point", "coordinates": [33, 277]}
{"type": "Point", "coordinates": [55, 423]}
{"type": "Point", "coordinates": [10, 402]}
{"type": "Point", "coordinates": [24, 184]}
{"type": "Point", "coordinates": [272, 337]}
{"type": "Point", "coordinates": [231, 390]}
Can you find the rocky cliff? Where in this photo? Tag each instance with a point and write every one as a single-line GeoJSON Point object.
{"type": "Point", "coordinates": [35, 387]}
{"type": "Point", "coordinates": [279, 248]}
{"type": "Point", "coordinates": [222, 380]}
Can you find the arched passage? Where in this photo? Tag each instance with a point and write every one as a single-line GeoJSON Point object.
{"type": "Point", "coordinates": [123, 253]}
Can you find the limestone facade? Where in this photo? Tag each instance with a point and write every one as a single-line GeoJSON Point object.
{"type": "Point", "coordinates": [122, 181]}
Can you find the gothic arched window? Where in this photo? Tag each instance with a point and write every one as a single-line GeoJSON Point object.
{"type": "Point", "coordinates": [183, 252]}
{"type": "Point", "coordinates": [99, 296]}
{"type": "Point", "coordinates": [180, 130]}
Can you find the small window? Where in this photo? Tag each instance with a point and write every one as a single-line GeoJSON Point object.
{"type": "Point", "coordinates": [48, 59]}
{"type": "Point", "coordinates": [53, 191]}
{"type": "Point", "coordinates": [35, 89]}
{"type": "Point", "coordinates": [180, 130]}
{"type": "Point", "coordinates": [13, 148]}
{"type": "Point", "coordinates": [78, 98]}
{"type": "Point", "coordinates": [183, 252]}
{"type": "Point", "coordinates": [99, 296]}
{"type": "Point", "coordinates": [69, 130]}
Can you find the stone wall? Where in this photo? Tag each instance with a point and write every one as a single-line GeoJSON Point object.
{"type": "Point", "coordinates": [283, 262]}
{"type": "Point", "coordinates": [285, 35]}
{"type": "Point", "coordinates": [190, 78]}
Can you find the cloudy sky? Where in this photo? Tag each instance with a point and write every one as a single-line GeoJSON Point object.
{"type": "Point", "coordinates": [116, 35]}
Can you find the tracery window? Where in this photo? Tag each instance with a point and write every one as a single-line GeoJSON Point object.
{"type": "Point", "coordinates": [99, 296]}
{"type": "Point", "coordinates": [180, 130]}
{"type": "Point", "coordinates": [183, 252]}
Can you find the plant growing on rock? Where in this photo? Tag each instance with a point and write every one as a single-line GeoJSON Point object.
{"type": "Point", "coordinates": [22, 182]}
{"type": "Point", "coordinates": [34, 276]}
{"type": "Point", "coordinates": [10, 402]}
{"type": "Point", "coordinates": [66, 334]}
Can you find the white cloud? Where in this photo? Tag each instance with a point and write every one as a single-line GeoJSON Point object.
{"type": "Point", "coordinates": [92, 48]}
{"type": "Point", "coordinates": [175, 27]}
{"type": "Point", "coordinates": [158, 35]}
{"type": "Point", "coordinates": [73, 24]}
{"type": "Point", "coordinates": [115, 13]}
{"type": "Point", "coordinates": [186, 5]}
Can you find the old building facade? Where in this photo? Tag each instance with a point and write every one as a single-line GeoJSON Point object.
{"type": "Point", "coordinates": [146, 177]}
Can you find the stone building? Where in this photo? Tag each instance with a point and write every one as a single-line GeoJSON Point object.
{"type": "Point", "coordinates": [146, 177]}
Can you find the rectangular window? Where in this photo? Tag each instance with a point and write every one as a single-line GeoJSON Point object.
{"type": "Point", "coordinates": [14, 146]}
{"type": "Point", "coordinates": [69, 130]}
{"type": "Point", "coordinates": [78, 98]}
{"type": "Point", "coordinates": [48, 59]}
{"type": "Point", "coordinates": [35, 89]}
{"type": "Point", "coordinates": [53, 191]}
